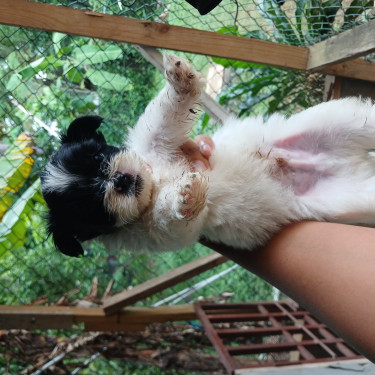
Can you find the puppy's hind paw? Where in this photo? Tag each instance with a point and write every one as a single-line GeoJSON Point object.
{"type": "Point", "coordinates": [182, 76]}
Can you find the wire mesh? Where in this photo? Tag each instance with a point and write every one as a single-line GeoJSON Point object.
{"type": "Point", "coordinates": [48, 79]}
{"type": "Point", "coordinates": [300, 22]}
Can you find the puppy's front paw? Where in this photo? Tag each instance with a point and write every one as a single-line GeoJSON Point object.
{"type": "Point", "coordinates": [182, 76]}
{"type": "Point", "coordinates": [191, 197]}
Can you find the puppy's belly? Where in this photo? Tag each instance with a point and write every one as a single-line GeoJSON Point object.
{"type": "Point", "coordinates": [246, 205]}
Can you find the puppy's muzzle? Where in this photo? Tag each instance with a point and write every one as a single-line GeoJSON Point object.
{"type": "Point", "coordinates": [127, 184]}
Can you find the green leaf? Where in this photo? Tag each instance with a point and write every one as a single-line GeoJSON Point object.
{"type": "Point", "coordinates": [13, 226]}
{"type": "Point", "coordinates": [356, 8]}
{"type": "Point", "coordinates": [251, 88]}
{"type": "Point", "coordinates": [74, 75]}
{"type": "Point", "coordinates": [257, 34]}
{"type": "Point", "coordinates": [15, 167]}
{"type": "Point", "coordinates": [39, 65]}
{"type": "Point", "coordinates": [231, 30]}
{"type": "Point", "coordinates": [299, 14]}
{"type": "Point", "coordinates": [14, 81]}
{"type": "Point", "coordinates": [235, 64]}
{"type": "Point", "coordinates": [109, 81]}
{"type": "Point", "coordinates": [284, 31]}
{"type": "Point", "coordinates": [57, 38]}
{"type": "Point", "coordinates": [204, 123]}
{"type": "Point", "coordinates": [93, 54]}
{"type": "Point", "coordinates": [330, 8]}
{"type": "Point", "coordinates": [33, 68]}
{"type": "Point", "coordinates": [12, 60]}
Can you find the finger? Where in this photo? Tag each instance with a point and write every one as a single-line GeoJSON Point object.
{"type": "Point", "coordinates": [193, 153]}
{"type": "Point", "coordinates": [190, 148]}
{"type": "Point", "coordinates": [206, 145]}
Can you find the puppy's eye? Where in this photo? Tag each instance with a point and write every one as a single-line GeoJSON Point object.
{"type": "Point", "coordinates": [98, 157]}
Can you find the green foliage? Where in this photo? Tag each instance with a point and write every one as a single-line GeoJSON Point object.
{"type": "Point", "coordinates": [16, 165]}
{"type": "Point", "coordinates": [267, 90]}
{"type": "Point", "coordinates": [15, 209]}
{"type": "Point", "coordinates": [14, 367]}
{"type": "Point", "coordinates": [49, 76]}
{"type": "Point", "coordinates": [312, 19]}
{"type": "Point", "coordinates": [263, 89]}
{"type": "Point", "coordinates": [14, 224]}
{"type": "Point", "coordinates": [102, 366]}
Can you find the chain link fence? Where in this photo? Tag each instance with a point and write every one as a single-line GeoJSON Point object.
{"type": "Point", "coordinates": [48, 79]}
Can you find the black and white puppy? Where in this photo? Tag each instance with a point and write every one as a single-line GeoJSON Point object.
{"type": "Point", "coordinates": [318, 164]}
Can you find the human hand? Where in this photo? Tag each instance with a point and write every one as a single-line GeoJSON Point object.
{"type": "Point", "coordinates": [198, 152]}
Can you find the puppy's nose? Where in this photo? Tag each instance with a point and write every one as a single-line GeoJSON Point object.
{"type": "Point", "coordinates": [123, 182]}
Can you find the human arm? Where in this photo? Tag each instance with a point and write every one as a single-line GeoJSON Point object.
{"type": "Point", "coordinates": [327, 268]}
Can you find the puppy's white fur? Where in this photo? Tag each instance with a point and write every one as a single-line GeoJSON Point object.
{"type": "Point", "coordinates": [317, 165]}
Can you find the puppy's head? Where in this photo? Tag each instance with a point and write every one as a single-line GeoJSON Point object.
{"type": "Point", "coordinates": [92, 188]}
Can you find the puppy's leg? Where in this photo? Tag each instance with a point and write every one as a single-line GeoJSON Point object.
{"type": "Point", "coordinates": [183, 199]}
{"type": "Point", "coordinates": [168, 119]}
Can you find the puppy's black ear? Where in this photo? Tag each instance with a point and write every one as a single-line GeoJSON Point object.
{"type": "Point", "coordinates": [84, 128]}
{"type": "Point", "coordinates": [67, 244]}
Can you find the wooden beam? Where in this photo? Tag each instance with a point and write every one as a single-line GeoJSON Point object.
{"type": "Point", "coordinates": [63, 317]}
{"type": "Point", "coordinates": [347, 45]}
{"type": "Point", "coordinates": [122, 29]}
{"type": "Point", "coordinates": [358, 69]}
{"type": "Point", "coordinates": [117, 302]}
{"type": "Point", "coordinates": [36, 317]}
{"type": "Point", "coordinates": [137, 318]}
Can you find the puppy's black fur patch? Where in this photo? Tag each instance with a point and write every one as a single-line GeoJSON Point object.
{"type": "Point", "coordinates": [76, 209]}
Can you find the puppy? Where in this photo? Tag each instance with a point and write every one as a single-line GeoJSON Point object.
{"type": "Point", "coordinates": [316, 165]}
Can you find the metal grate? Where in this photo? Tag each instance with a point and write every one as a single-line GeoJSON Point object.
{"type": "Point", "coordinates": [248, 335]}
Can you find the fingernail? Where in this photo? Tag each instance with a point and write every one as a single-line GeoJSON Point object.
{"type": "Point", "coordinates": [205, 148]}
{"type": "Point", "coordinates": [199, 166]}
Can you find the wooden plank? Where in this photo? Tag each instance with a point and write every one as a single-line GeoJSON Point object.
{"type": "Point", "coordinates": [137, 319]}
{"type": "Point", "coordinates": [58, 317]}
{"type": "Point", "coordinates": [359, 41]}
{"type": "Point", "coordinates": [358, 69]}
{"type": "Point", "coordinates": [210, 106]}
{"type": "Point", "coordinates": [121, 29]}
{"type": "Point", "coordinates": [40, 317]}
{"type": "Point", "coordinates": [173, 277]}
{"type": "Point", "coordinates": [34, 321]}
{"type": "Point", "coordinates": [216, 341]}
{"type": "Point", "coordinates": [277, 347]}
{"type": "Point", "coordinates": [263, 331]}
{"type": "Point", "coordinates": [243, 317]}
{"type": "Point", "coordinates": [104, 26]}
{"type": "Point", "coordinates": [348, 87]}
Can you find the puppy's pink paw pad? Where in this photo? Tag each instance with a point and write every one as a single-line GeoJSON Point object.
{"type": "Point", "coordinates": [182, 75]}
{"type": "Point", "coordinates": [192, 196]}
